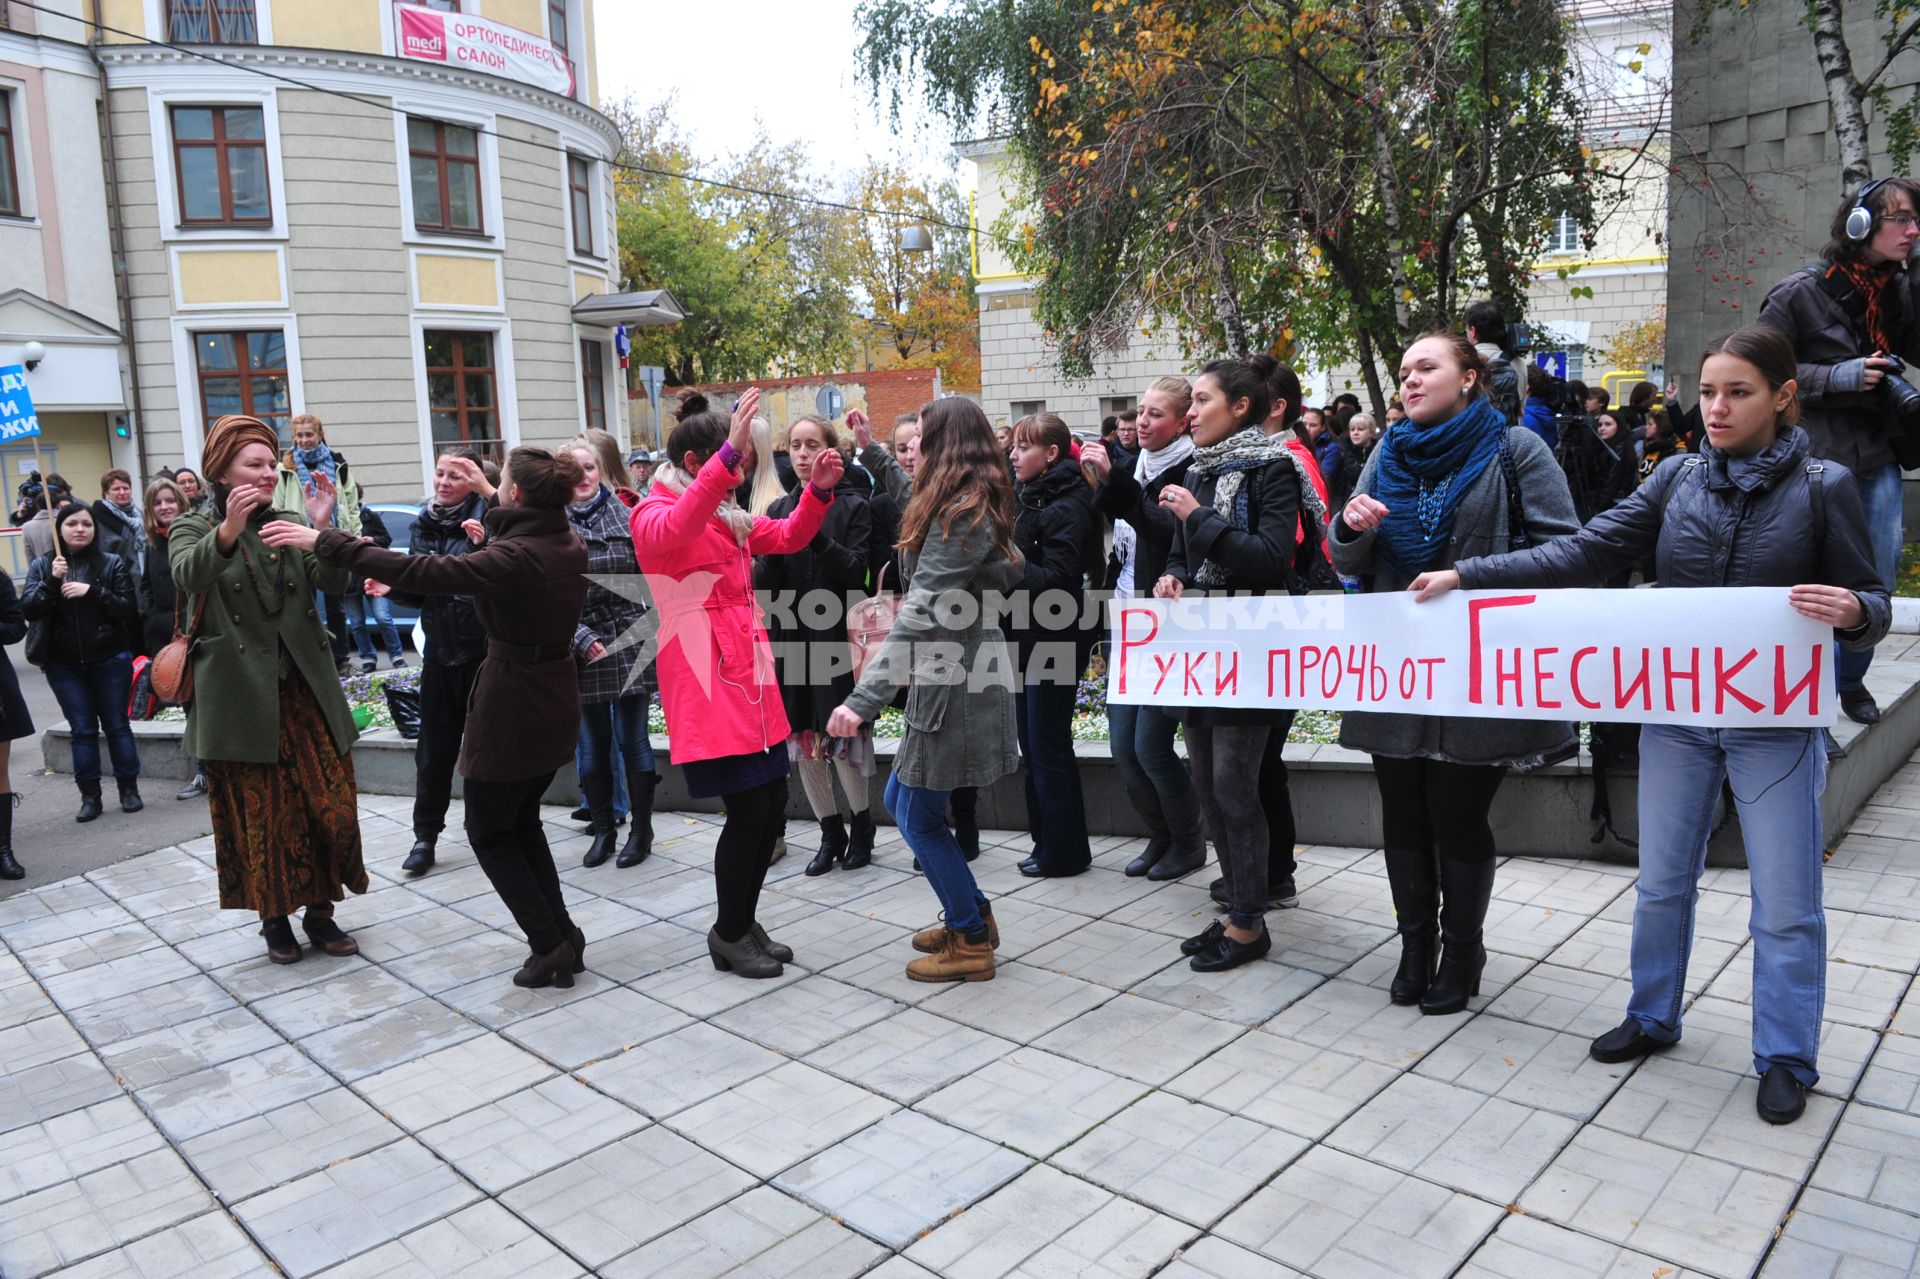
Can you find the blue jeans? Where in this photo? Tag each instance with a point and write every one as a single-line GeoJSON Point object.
{"type": "Point", "coordinates": [921, 815]}
{"type": "Point", "coordinates": [1881, 494]}
{"type": "Point", "coordinates": [377, 610]}
{"type": "Point", "coordinates": [93, 697]}
{"type": "Point", "coordinates": [620, 806]}
{"type": "Point", "coordinates": [1142, 742]}
{"type": "Point", "coordinates": [1777, 776]}
{"type": "Point", "coordinates": [1056, 811]}
{"type": "Point", "coordinates": [605, 724]}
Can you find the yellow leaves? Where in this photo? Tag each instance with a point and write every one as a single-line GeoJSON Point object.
{"type": "Point", "coordinates": [1033, 43]}
{"type": "Point", "coordinates": [1314, 249]}
{"type": "Point", "coordinates": [1635, 66]}
{"type": "Point", "coordinates": [1086, 46]}
{"type": "Point", "coordinates": [1051, 90]}
{"type": "Point", "coordinates": [1645, 49]}
{"type": "Point", "coordinates": [1496, 97]}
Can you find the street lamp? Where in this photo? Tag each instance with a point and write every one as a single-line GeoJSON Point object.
{"type": "Point", "coordinates": [916, 239]}
{"type": "Point", "coordinates": [33, 353]}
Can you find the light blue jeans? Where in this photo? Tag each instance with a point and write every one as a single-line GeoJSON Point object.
{"type": "Point", "coordinates": [1777, 776]}
{"type": "Point", "coordinates": [1880, 493]}
{"type": "Point", "coordinates": [921, 815]}
{"type": "Point", "coordinates": [1142, 742]}
{"type": "Point", "coordinates": [364, 614]}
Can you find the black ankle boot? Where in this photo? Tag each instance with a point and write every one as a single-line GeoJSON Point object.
{"type": "Point", "coordinates": [130, 801]}
{"type": "Point", "coordinates": [603, 829]}
{"type": "Point", "coordinates": [554, 968]}
{"type": "Point", "coordinates": [1414, 882]}
{"type": "Point", "coordinates": [833, 845]}
{"type": "Point", "coordinates": [1189, 831]}
{"type": "Point", "coordinates": [966, 822]}
{"type": "Point", "coordinates": [860, 841]}
{"type": "Point", "coordinates": [640, 787]}
{"type": "Point", "coordinates": [1159, 835]}
{"type": "Point", "coordinates": [9, 868]}
{"type": "Point", "coordinates": [1465, 890]}
{"type": "Point", "coordinates": [89, 800]}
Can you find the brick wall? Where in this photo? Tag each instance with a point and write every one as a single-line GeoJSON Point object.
{"type": "Point", "coordinates": [882, 394]}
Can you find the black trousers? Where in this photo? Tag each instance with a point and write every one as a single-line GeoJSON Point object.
{"type": "Point", "coordinates": [1277, 802]}
{"type": "Point", "coordinates": [1429, 803]}
{"type": "Point", "coordinates": [444, 693]}
{"type": "Point", "coordinates": [503, 825]}
{"type": "Point", "coordinates": [755, 819]}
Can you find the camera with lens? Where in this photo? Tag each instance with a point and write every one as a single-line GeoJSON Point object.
{"type": "Point", "coordinates": [1900, 393]}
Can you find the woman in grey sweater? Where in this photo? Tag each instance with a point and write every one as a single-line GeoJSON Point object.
{"type": "Point", "coordinates": [956, 546]}
{"type": "Point", "coordinates": [1444, 484]}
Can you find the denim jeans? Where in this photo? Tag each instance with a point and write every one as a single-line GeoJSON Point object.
{"type": "Point", "coordinates": [620, 805]}
{"type": "Point", "coordinates": [1142, 742]}
{"type": "Point", "coordinates": [921, 815]}
{"type": "Point", "coordinates": [1056, 811]}
{"type": "Point", "coordinates": [602, 725]}
{"type": "Point", "coordinates": [1777, 776]}
{"type": "Point", "coordinates": [1880, 493]}
{"type": "Point", "coordinates": [93, 697]}
{"type": "Point", "coordinates": [366, 611]}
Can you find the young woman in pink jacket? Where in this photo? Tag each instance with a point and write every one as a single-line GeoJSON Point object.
{"type": "Point", "coordinates": [696, 545]}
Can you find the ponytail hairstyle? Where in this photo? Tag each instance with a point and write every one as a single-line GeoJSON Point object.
{"type": "Point", "coordinates": [702, 434]}
{"type": "Point", "coordinates": [1767, 349]}
{"type": "Point", "coordinates": [691, 404]}
{"type": "Point", "coordinates": [546, 478]}
{"type": "Point", "coordinates": [962, 476]}
{"type": "Point", "coordinates": [1242, 380]}
{"type": "Point", "coordinates": [1283, 386]}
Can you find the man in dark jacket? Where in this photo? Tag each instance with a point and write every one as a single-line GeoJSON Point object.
{"type": "Point", "coordinates": [1845, 315]}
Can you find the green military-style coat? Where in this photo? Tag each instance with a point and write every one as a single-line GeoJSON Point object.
{"type": "Point", "coordinates": [235, 713]}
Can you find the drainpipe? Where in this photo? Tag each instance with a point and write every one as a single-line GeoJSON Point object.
{"type": "Point", "coordinates": [117, 245]}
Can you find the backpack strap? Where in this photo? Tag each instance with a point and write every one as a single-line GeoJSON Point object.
{"type": "Point", "coordinates": [1516, 508]}
{"type": "Point", "coordinates": [1692, 462]}
{"type": "Point", "coordinates": [1817, 499]}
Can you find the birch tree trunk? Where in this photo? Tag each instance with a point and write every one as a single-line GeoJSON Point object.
{"type": "Point", "coordinates": [1846, 100]}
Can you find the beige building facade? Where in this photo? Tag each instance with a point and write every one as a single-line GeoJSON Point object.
{"type": "Point", "coordinates": [315, 224]}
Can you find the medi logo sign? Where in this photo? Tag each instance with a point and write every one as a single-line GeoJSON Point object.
{"type": "Point", "coordinates": [428, 35]}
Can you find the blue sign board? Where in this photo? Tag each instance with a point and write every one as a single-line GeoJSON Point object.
{"type": "Point", "coordinates": [1554, 362]}
{"type": "Point", "coordinates": [17, 418]}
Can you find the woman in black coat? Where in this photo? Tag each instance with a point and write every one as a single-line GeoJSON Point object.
{"type": "Point", "coordinates": [15, 721]}
{"type": "Point", "coordinates": [80, 609]}
{"type": "Point", "coordinates": [164, 502]}
{"type": "Point", "coordinates": [837, 563]}
{"type": "Point", "coordinates": [1058, 533]}
{"type": "Point", "coordinates": [1237, 512]}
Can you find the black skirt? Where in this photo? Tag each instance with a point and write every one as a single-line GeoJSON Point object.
{"type": "Point", "coordinates": [15, 720]}
{"type": "Point", "coordinates": [731, 774]}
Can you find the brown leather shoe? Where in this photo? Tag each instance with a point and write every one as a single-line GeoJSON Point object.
{"type": "Point", "coordinates": [282, 947]}
{"type": "Point", "coordinates": [929, 940]}
{"type": "Point", "coordinates": [324, 933]}
{"type": "Point", "coordinates": [957, 960]}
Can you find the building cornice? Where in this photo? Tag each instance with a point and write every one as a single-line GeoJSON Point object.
{"type": "Point", "coordinates": [130, 66]}
{"type": "Point", "coordinates": [46, 52]}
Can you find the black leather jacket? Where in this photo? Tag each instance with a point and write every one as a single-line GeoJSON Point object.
{"type": "Point", "coordinates": [1058, 534]}
{"type": "Point", "coordinates": [454, 633]}
{"type": "Point", "coordinates": [89, 629]}
{"type": "Point", "coordinates": [1705, 526]}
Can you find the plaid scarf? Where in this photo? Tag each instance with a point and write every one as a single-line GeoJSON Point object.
{"type": "Point", "coordinates": [1870, 282]}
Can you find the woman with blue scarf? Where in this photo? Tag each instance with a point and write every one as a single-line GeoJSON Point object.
{"type": "Point", "coordinates": [311, 456]}
{"type": "Point", "coordinates": [1447, 482]}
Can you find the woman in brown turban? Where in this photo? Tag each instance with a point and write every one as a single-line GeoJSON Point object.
{"type": "Point", "coordinates": [267, 715]}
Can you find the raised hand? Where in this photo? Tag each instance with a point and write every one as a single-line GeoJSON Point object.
{"type": "Point", "coordinates": [862, 428]}
{"type": "Point", "coordinates": [290, 533]}
{"type": "Point", "coordinates": [827, 470]}
{"type": "Point", "coordinates": [476, 531]}
{"type": "Point", "coordinates": [1174, 498]}
{"type": "Point", "coordinates": [741, 433]}
{"type": "Point", "coordinates": [321, 499]}
{"type": "Point", "coordinates": [59, 567]}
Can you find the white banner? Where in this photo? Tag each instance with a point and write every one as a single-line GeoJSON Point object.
{"type": "Point", "coordinates": [1733, 657]}
{"type": "Point", "coordinates": [428, 35]}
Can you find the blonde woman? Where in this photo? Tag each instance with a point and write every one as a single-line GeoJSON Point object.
{"type": "Point", "coordinates": [764, 485]}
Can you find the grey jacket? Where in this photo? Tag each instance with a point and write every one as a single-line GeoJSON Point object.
{"type": "Point", "coordinates": [1706, 525]}
{"type": "Point", "coordinates": [960, 679]}
{"type": "Point", "coordinates": [1479, 528]}
{"type": "Point", "coordinates": [887, 473]}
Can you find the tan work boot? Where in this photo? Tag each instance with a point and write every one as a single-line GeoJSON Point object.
{"type": "Point", "coordinates": [957, 960]}
{"type": "Point", "coordinates": [929, 940]}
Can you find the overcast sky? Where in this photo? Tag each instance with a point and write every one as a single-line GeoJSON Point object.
{"type": "Point", "coordinates": [734, 64]}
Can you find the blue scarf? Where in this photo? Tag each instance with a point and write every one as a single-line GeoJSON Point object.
{"type": "Point", "coordinates": [1424, 471]}
{"type": "Point", "coordinates": [318, 458]}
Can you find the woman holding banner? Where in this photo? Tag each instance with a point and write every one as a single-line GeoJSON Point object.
{"type": "Point", "coordinates": [1236, 513]}
{"type": "Point", "coordinates": [1749, 510]}
{"type": "Point", "coordinates": [1451, 480]}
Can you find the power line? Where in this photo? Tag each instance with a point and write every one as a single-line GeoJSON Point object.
{"type": "Point", "coordinates": [628, 166]}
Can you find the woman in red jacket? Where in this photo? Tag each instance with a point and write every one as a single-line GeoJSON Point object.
{"type": "Point", "coordinates": [696, 545]}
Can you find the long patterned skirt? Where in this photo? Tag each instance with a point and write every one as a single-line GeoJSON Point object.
{"type": "Point", "coordinates": [287, 835]}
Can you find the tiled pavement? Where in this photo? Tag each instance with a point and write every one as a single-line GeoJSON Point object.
{"type": "Point", "coordinates": [173, 1105]}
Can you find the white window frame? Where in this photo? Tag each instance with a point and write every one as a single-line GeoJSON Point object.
{"type": "Point", "coordinates": [493, 236]}
{"type": "Point", "coordinates": [576, 45]}
{"type": "Point", "coordinates": [599, 228]}
{"type": "Point", "coordinates": [29, 215]}
{"type": "Point", "coordinates": [154, 14]}
{"type": "Point", "coordinates": [160, 104]}
{"type": "Point", "coordinates": [1559, 243]}
{"type": "Point", "coordinates": [505, 383]}
{"type": "Point", "coordinates": [613, 380]}
{"type": "Point", "coordinates": [186, 367]}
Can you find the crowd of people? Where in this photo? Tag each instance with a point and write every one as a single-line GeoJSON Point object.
{"type": "Point", "coordinates": [560, 590]}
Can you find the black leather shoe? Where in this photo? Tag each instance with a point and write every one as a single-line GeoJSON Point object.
{"type": "Point", "coordinates": [1218, 890]}
{"type": "Point", "coordinates": [1194, 945]}
{"type": "Point", "coordinates": [1626, 1042]}
{"type": "Point", "coordinates": [419, 859]}
{"type": "Point", "coordinates": [1030, 867]}
{"type": "Point", "coordinates": [1178, 862]}
{"type": "Point", "coordinates": [1782, 1098]}
{"type": "Point", "coordinates": [1227, 953]}
{"type": "Point", "coordinates": [1860, 707]}
{"type": "Point", "coordinates": [9, 868]}
{"type": "Point", "coordinates": [777, 950]}
{"type": "Point", "coordinates": [580, 815]}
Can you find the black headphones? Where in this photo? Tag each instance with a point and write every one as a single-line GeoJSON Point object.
{"type": "Point", "coordinates": [1860, 217]}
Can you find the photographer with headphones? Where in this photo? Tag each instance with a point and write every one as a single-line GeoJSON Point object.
{"type": "Point", "coordinates": [1854, 321]}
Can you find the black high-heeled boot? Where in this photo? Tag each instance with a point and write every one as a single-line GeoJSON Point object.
{"type": "Point", "coordinates": [600, 803]}
{"type": "Point", "coordinates": [555, 968]}
{"type": "Point", "coordinates": [833, 845]}
{"type": "Point", "coordinates": [640, 788]}
{"type": "Point", "coordinates": [859, 841]}
{"type": "Point", "coordinates": [1465, 890]}
{"type": "Point", "coordinates": [1159, 835]}
{"type": "Point", "coordinates": [1414, 881]}
{"type": "Point", "coordinates": [9, 868]}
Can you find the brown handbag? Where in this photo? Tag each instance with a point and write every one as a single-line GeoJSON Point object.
{"type": "Point", "coordinates": [171, 670]}
{"type": "Point", "coordinates": [870, 621]}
